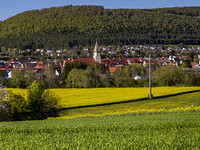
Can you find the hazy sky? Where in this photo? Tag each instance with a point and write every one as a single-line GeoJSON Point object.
{"type": "Point", "coordinates": [10, 8]}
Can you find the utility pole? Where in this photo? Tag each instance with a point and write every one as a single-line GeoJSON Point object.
{"type": "Point", "coordinates": [73, 72]}
{"type": "Point", "coordinates": [73, 80]}
{"type": "Point", "coordinates": [150, 95]}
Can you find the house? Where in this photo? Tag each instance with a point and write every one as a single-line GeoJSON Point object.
{"type": "Point", "coordinates": [57, 73]}
{"type": "Point", "coordinates": [39, 68]}
{"type": "Point", "coordinates": [58, 51]}
{"type": "Point", "coordinates": [29, 66]}
{"type": "Point", "coordinates": [49, 51]}
{"type": "Point", "coordinates": [139, 77]}
{"type": "Point", "coordinates": [195, 65]}
{"type": "Point", "coordinates": [133, 61]}
{"type": "Point", "coordinates": [10, 75]}
{"type": "Point", "coordinates": [164, 63]}
{"type": "Point", "coordinates": [112, 70]}
{"type": "Point", "coordinates": [170, 64]}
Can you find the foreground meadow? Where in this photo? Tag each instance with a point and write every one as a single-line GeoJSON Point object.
{"type": "Point", "coordinates": [81, 97]}
{"type": "Point", "coordinates": [156, 131]}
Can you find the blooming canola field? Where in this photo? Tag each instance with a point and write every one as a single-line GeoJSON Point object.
{"type": "Point", "coordinates": [93, 96]}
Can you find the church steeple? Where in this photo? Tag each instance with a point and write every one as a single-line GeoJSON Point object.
{"type": "Point", "coordinates": [96, 47]}
{"type": "Point", "coordinates": [96, 55]}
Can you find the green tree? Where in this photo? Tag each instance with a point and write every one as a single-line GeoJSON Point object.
{"type": "Point", "coordinates": [4, 105]}
{"type": "Point", "coordinates": [99, 75]}
{"type": "Point", "coordinates": [78, 78]}
{"type": "Point", "coordinates": [133, 70]}
{"type": "Point", "coordinates": [41, 103]}
{"type": "Point", "coordinates": [124, 77]}
{"type": "Point", "coordinates": [18, 79]}
{"type": "Point", "coordinates": [75, 26]}
{"type": "Point", "coordinates": [169, 76]}
{"type": "Point", "coordinates": [51, 80]}
{"type": "Point", "coordinates": [186, 64]}
{"type": "Point", "coordinates": [30, 76]}
{"type": "Point", "coordinates": [66, 69]}
{"type": "Point", "coordinates": [17, 107]}
{"type": "Point", "coordinates": [12, 106]}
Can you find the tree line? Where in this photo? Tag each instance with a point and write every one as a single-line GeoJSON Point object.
{"type": "Point", "coordinates": [81, 75]}
{"type": "Point", "coordinates": [69, 26]}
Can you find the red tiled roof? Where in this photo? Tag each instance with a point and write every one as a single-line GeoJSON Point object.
{"type": "Point", "coordinates": [193, 64]}
{"type": "Point", "coordinates": [112, 69]}
{"type": "Point", "coordinates": [135, 59]}
{"type": "Point", "coordinates": [170, 64]}
{"type": "Point", "coordinates": [66, 61]}
{"type": "Point", "coordinates": [145, 60]}
{"type": "Point", "coordinates": [10, 68]}
{"type": "Point", "coordinates": [39, 67]}
{"type": "Point", "coordinates": [85, 60]}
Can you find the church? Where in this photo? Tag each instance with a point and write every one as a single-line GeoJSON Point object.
{"type": "Point", "coordinates": [96, 57]}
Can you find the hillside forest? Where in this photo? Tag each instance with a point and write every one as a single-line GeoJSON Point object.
{"type": "Point", "coordinates": [69, 26]}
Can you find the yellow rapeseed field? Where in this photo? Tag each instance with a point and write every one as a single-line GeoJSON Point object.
{"type": "Point", "coordinates": [81, 97]}
{"type": "Point", "coordinates": [131, 111]}
{"type": "Point", "coordinates": [179, 103]}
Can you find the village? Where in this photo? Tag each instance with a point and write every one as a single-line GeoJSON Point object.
{"type": "Point", "coordinates": [130, 55]}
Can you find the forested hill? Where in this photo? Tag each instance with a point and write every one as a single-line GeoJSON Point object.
{"type": "Point", "coordinates": [67, 26]}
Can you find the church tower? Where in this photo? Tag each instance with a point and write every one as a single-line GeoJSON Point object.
{"type": "Point", "coordinates": [97, 55]}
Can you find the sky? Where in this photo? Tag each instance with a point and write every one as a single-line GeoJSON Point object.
{"type": "Point", "coordinates": [9, 8]}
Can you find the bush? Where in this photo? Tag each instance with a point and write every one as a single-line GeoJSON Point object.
{"type": "Point", "coordinates": [41, 103]}
{"type": "Point", "coordinates": [17, 107]}
{"type": "Point", "coordinates": [4, 105]}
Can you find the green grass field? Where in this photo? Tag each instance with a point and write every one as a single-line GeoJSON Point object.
{"type": "Point", "coordinates": [156, 131]}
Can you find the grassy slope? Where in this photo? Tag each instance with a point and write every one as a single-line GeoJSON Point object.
{"type": "Point", "coordinates": [158, 131]}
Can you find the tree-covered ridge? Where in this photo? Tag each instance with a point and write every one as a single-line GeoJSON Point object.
{"type": "Point", "coordinates": [67, 26]}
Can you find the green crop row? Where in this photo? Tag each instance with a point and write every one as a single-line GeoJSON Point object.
{"type": "Point", "coordinates": [158, 131]}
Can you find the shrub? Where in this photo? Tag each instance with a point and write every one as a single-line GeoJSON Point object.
{"type": "Point", "coordinates": [4, 105]}
{"type": "Point", "coordinates": [41, 103]}
{"type": "Point", "coordinates": [17, 107]}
